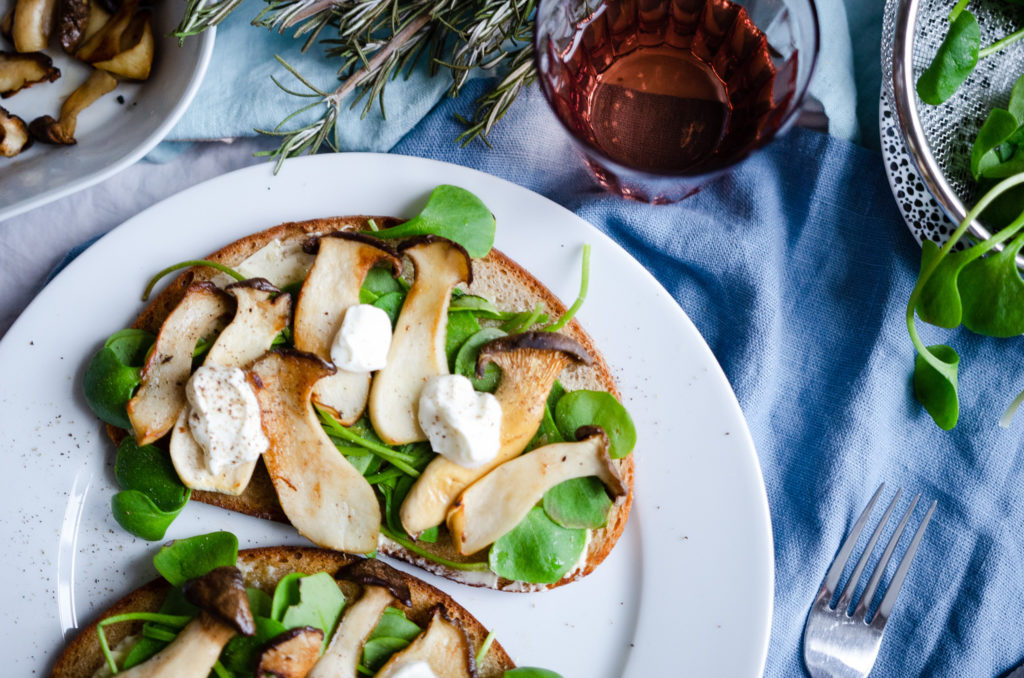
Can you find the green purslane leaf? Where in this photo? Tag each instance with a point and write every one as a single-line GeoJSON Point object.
{"type": "Point", "coordinates": [465, 360]}
{"type": "Point", "coordinates": [152, 495]}
{"type": "Point", "coordinates": [461, 326]}
{"type": "Point", "coordinates": [954, 61]}
{"type": "Point", "coordinates": [578, 503]}
{"type": "Point", "coordinates": [174, 604]}
{"type": "Point", "coordinates": [391, 303]}
{"type": "Point", "coordinates": [137, 514]}
{"type": "Point", "coordinates": [286, 594]}
{"type": "Point", "coordinates": [394, 624]}
{"type": "Point", "coordinates": [319, 605]}
{"type": "Point", "coordinates": [478, 306]}
{"type": "Point", "coordinates": [184, 559]}
{"type": "Point", "coordinates": [597, 408]}
{"type": "Point", "coordinates": [453, 213]}
{"type": "Point", "coordinates": [376, 652]}
{"type": "Point", "coordinates": [935, 384]}
{"type": "Point", "coordinates": [939, 303]}
{"type": "Point", "coordinates": [530, 672]}
{"type": "Point", "coordinates": [537, 550]}
{"type": "Point", "coordinates": [998, 128]}
{"type": "Point", "coordinates": [993, 293]}
{"type": "Point", "coordinates": [377, 283]}
{"type": "Point", "coordinates": [113, 374]}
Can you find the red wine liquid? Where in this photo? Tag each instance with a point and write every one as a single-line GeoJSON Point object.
{"type": "Point", "coordinates": [680, 87]}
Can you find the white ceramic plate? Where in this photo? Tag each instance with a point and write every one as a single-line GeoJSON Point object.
{"type": "Point", "coordinates": [111, 135]}
{"type": "Point", "coordinates": [690, 583]}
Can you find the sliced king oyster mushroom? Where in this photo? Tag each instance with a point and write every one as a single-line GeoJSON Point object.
{"type": "Point", "coordinates": [225, 612]}
{"type": "Point", "coordinates": [259, 318]}
{"type": "Point", "coordinates": [322, 494]}
{"type": "Point", "coordinates": [444, 646]}
{"type": "Point", "coordinates": [161, 396]}
{"type": "Point", "coordinates": [530, 363]}
{"type": "Point", "coordinates": [496, 503]}
{"type": "Point", "coordinates": [291, 654]}
{"type": "Point", "coordinates": [343, 654]}
{"type": "Point", "coordinates": [417, 348]}
{"type": "Point", "coordinates": [331, 288]}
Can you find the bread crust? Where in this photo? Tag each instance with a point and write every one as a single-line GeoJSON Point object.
{"type": "Point", "coordinates": [497, 278]}
{"type": "Point", "coordinates": [262, 568]}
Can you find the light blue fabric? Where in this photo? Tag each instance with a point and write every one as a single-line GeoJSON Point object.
{"type": "Point", "coordinates": [796, 268]}
{"type": "Point", "coordinates": [238, 95]}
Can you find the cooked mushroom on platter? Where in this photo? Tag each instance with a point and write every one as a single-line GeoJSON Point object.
{"type": "Point", "coordinates": [18, 71]}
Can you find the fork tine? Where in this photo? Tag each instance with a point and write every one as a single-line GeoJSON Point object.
{"type": "Point", "coordinates": [851, 585]}
{"type": "Point", "coordinates": [834, 572]}
{"type": "Point", "coordinates": [883, 562]}
{"type": "Point", "coordinates": [885, 608]}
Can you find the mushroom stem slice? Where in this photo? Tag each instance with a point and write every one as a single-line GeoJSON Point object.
{"type": "Point", "coordinates": [417, 347]}
{"type": "Point", "coordinates": [135, 58]}
{"type": "Point", "coordinates": [496, 503]}
{"type": "Point", "coordinates": [342, 656]}
{"type": "Point", "coordinates": [291, 654]}
{"type": "Point", "coordinates": [33, 20]}
{"type": "Point", "coordinates": [20, 71]}
{"type": "Point", "coordinates": [192, 654]}
{"type": "Point", "coordinates": [62, 131]}
{"type": "Point", "coordinates": [530, 363]}
{"type": "Point", "coordinates": [331, 288]}
{"type": "Point", "coordinates": [14, 137]}
{"type": "Point", "coordinates": [106, 43]}
{"type": "Point", "coordinates": [444, 646]}
{"type": "Point", "coordinates": [259, 318]}
{"type": "Point", "coordinates": [161, 396]}
{"type": "Point", "coordinates": [322, 494]}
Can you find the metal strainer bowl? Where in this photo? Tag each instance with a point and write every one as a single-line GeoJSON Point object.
{"type": "Point", "coordinates": [939, 138]}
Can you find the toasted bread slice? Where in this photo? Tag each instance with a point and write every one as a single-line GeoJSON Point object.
{"type": "Point", "coordinates": [496, 277]}
{"type": "Point", "coordinates": [262, 568]}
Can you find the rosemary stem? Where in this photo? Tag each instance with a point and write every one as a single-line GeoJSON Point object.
{"type": "Point", "coordinates": [379, 58]}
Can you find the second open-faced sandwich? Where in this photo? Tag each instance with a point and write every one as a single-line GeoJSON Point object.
{"type": "Point", "coordinates": [384, 386]}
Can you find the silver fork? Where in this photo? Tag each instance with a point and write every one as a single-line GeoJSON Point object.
{"type": "Point", "coordinates": [838, 644]}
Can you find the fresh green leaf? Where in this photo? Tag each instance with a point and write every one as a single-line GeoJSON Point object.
{"type": "Point", "coordinates": [377, 283]}
{"type": "Point", "coordinates": [320, 605]}
{"type": "Point", "coordinates": [537, 550]}
{"type": "Point", "coordinates": [478, 306]}
{"type": "Point", "coordinates": [174, 604]}
{"type": "Point", "coordinates": [954, 61]}
{"type": "Point", "coordinates": [530, 672]}
{"type": "Point", "coordinates": [1016, 105]}
{"type": "Point", "coordinates": [184, 559]}
{"type": "Point", "coordinates": [286, 594]}
{"type": "Point", "coordinates": [113, 374]}
{"type": "Point", "coordinates": [935, 384]}
{"type": "Point", "coordinates": [993, 293]}
{"type": "Point", "coordinates": [465, 360]}
{"type": "Point", "coordinates": [453, 213]}
{"type": "Point", "coordinates": [578, 503]}
{"type": "Point", "coordinates": [137, 514]}
{"type": "Point", "coordinates": [394, 624]}
{"type": "Point", "coordinates": [391, 303]}
{"type": "Point", "coordinates": [149, 470]}
{"type": "Point", "coordinates": [998, 128]}
{"type": "Point", "coordinates": [260, 602]}
{"type": "Point", "coordinates": [423, 553]}
{"type": "Point", "coordinates": [939, 303]}
{"type": "Point", "coordinates": [241, 653]}
{"type": "Point", "coordinates": [461, 326]}
{"type": "Point", "coordinates": [377, 651]}
{"type": "Point", "coordinates": [580, 298]}
{"type": "Point", "coordinates": [362, 435]}
{"type": "Point", "coordinates": [521, 322]}
{"type": "Point", "coordinates": [597, 408]}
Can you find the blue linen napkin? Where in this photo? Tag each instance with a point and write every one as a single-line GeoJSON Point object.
{"type": "Point", "coordinates": [237, 94]}
{"type": "Point", "coordinates": [796, 268]}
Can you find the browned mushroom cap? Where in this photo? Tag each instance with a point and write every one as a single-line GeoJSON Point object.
{"type": "Point", "coordinates": [20, 71]}
{"type": "Point", "coordinates": [291, 654]}
{"type": "Point", "coordinates": [72, 19]}
{"type": "Point", "coordinates": [444, 646]}
{"type": "Point", "coordinates": [106, 43]}
{"type": "Point", "coordinates": [221, 593]}
{"type": "Point", "coordinates": [530, 362]}
{"type": "Point", "coordinates": [62, 131]}
{"type": "Point", "coordinates": [14, 137]}
{"type": "Point", "coordinates": [312, 245]}
{"type": "Point", "coordinates": [418, 240]}
{"type": "Point", "coordinates": [33, 20]}
{"type": "Point", "coordinates": [372, 572]}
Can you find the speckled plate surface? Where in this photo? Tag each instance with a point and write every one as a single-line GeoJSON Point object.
{"type": "Point", "coordinates": [698, 545]}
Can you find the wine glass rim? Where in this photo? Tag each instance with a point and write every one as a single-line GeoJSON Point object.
{"type": "Point", "coordinates": [785, 121]}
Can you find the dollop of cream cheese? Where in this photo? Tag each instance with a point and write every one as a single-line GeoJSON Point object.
{"type": "Point", "coordinates": [224, 417]}
{"type": "Point", "coordinates": [420, 669]}
{"type": "Point", "coordinates": [363, 340]}
{"type": "Point", "coordinates": [462, 425]}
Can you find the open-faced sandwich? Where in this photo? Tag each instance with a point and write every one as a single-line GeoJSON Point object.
{"type": "Point", "coordinates": [388, 386]}
{"type": "Point", "coordinates": [283, 612]}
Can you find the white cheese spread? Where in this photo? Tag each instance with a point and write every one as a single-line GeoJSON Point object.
{"type": "Point", "coordinates": [363, 340]}
{"type": "Point", "coordinates": [462, 425]}
{"type": "Point", "coordinates": [225, 417]}
{"type": "Point", "coordinates": [420, 669]}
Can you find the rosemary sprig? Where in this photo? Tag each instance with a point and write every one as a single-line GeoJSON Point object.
{"type": "Point", "coordinates": [375, 41]}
